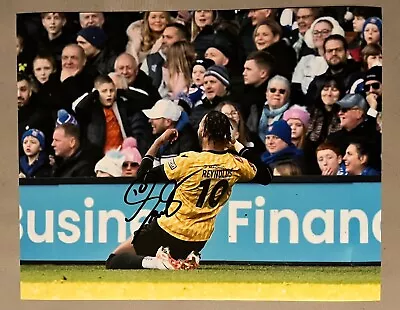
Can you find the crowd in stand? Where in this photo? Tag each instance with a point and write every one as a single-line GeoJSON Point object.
{"type": "Point", "coordinates": [302, 86]}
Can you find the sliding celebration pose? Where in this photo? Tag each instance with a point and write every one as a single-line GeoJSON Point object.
{"type": "Point", "coordinates": [205, 180]}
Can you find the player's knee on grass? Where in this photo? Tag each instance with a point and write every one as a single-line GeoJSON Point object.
{"type": "Point", "coordinates": [124, 261]}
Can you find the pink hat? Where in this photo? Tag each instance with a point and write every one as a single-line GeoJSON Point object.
{"type": "Point", "coordinates": [129, 149]}
{"type": "Point", "coordinates": [298, 112]}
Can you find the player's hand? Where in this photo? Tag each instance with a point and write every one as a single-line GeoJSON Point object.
{"type": "Point", "coordinates": [170, 135]}
{"type": "Point", "coordinates": [21, 175]}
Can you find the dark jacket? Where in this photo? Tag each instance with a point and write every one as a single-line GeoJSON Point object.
{"type": "Point", "coordinates": [75, 166]}
{"type": "Point", "coordinates": [252, 103]}
{"type": "Point", "coordinates": [155, 63]}
{"type": "Point", "coordinates": [292, 37]}
{"type": "Point", "coordinates": [34, 115]}
{"type": "Point", "coordinates": [40, 167]}
{"type": "Point", "coordinates": [103, 62]}
{"type": "Point", "coordinates": [187, 140]}
{"type": "Point", "coordinates": [350, 73]}
{"type": "Point", "coordinates": [202, 109]}
{"type": "Point", "coordinates": [144, 82]}
{"type": "Point", "coordinates": [55, 46]}
{"type": "Point", "coordinates": [290, 153]}
{"type": "Point", "coordinates": [75, 86]}
{"type": "Point", "coordinates": [365, 132]}
{"type": "Point", "coordinates": [91, 118]}
{"type": "Point", "coordinates": [285, 58]}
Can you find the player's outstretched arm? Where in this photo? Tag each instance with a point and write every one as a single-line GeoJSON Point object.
{"type": "Point", "coordinates": [264, 173]}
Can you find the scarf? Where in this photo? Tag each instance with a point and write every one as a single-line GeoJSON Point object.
{"type": "Point", "coordinates": [30, 170]}
{"type": "Point", "coordinates": [290, 152]}
{"type": "Point", "coordinates": [267, 113]}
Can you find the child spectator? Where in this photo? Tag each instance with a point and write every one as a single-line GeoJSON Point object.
{"type": "Point", "coordinates": [298, 119]}
{"type": "Point", "coordinates": [279, 145]}
{"type": "Point", "coordinates": [196, 90]}
{"type": "Point", "coordinates": [110, 165]}
{"type": "Point", "coordinates": [35, 163]}
{"type": "Point", "coordinates": [43, 67]}
{"type": "Point", "coordinates": [107, 118]}
{"type": "Point", "coordinates": [132, 157]}
{"type": "Point", "coordinates": [286, 169]}
{"type": "Point", "coordinates": [372, 31]}
{"type": "Point", "coordinates": [329, 159]}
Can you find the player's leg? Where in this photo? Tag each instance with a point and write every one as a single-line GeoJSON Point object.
{"type": "Point", "coordinates": [143, 250]}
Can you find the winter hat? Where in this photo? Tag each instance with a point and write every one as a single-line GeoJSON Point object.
{"type": "Point", "coordinates": [337, 29]}
{"type": "Point", "coordinates": [36, 133]}
{"type": "Point", "coordinates": [130, 151]}
{"type": "Point", "coordinates": [282, 130]}
{"type": "Point", "coordinates": [111, 163]}
{"type": "Point", "coordinates": [204, 62]}
{"type": "Point", "coordinates": [222, 43]}
{"type": "Point", "coordinates": [298, 112]}
{"type": "Point", "coordinates": [374, 74]}
{"type": "Point", "coordinates": [220, 73]}
{"type": "Point", "coordinates": [63, 117]}
{"type": "Point", "coordinates": [94, 35]}
{"type": "Point", "coordinates": [164, 108]}
{"type": "Point", "coordinates": [373, 20]}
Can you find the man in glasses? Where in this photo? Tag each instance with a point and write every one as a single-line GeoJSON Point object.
{"type": "Point", "coordinates": [358, 123]}
{"type": "Point", "coordinates": [336, 56]}
{"type": "Point", "coordinates": [373, 88]}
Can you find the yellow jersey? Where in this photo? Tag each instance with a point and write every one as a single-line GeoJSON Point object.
{"type": "Point", "coordinates": [207, 179]}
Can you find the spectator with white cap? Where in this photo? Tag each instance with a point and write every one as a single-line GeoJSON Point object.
{"type": "Point", "coordinates": [110, 165]}
{"type": "Point", "coordinates": [167, 114]}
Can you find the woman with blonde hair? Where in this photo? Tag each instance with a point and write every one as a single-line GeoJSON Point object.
{"type": "Point", "coordinates": [177, 71]}
{"type": "Point", "coordinates": [145, 35]}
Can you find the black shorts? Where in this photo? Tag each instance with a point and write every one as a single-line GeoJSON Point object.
{"type": "Point", "coordinates": [151, 237]}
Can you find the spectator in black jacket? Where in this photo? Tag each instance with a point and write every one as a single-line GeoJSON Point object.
{"type": "Point", "coordinates": [339, 66]}
{"type": "Point", "coordinates": [93, 41]}
{"type": "Point", "coordinates": [216, 89]}
{"type": "Point", "coordinates": [268, 37]}
{"type": "Point", "coordinates": [167, 114]}
{"type": "Point", "coordinates": [75, 77]}
{"type": "Point", "coordinates": [126, 65]}
{"type": "Point", "coordinates": [55, 38]}
{"type": "Point", "coordinates": [106, 118]}
{"type": "Point", "coordinates": [258, 69]}
{"type": "Point", "coordinates": [358, 123]}
{"type": "Point", "coordinates": [31, 113]}
{"type": "Point", "coordinates": [70, 160]}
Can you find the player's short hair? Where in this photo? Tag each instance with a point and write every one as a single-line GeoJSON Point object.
{"type": "Point", "coordinates": [217, 127]}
